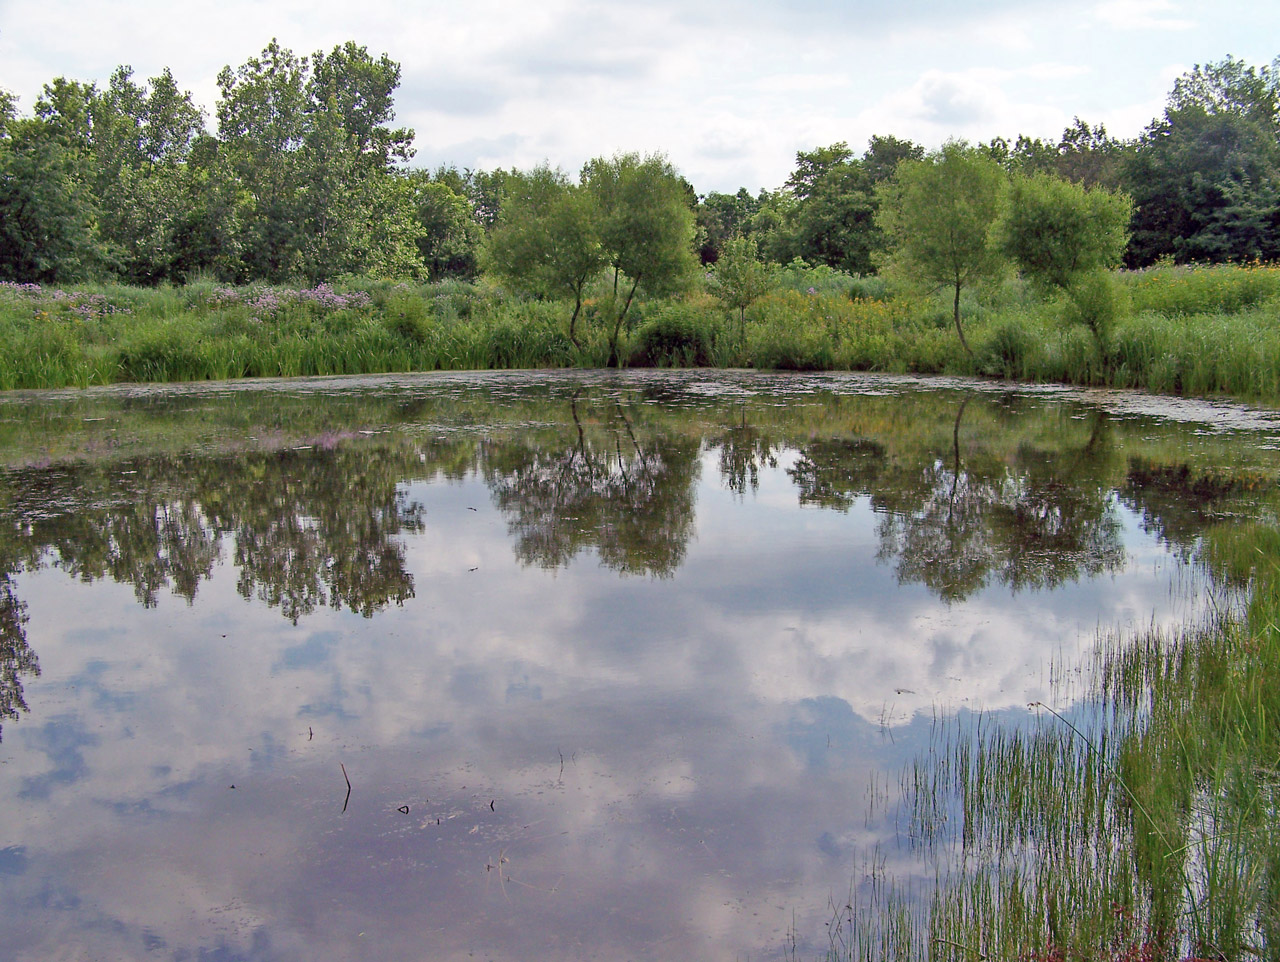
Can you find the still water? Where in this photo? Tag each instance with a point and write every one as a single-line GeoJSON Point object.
{"type": "Point", "coordinates": [548, 666]}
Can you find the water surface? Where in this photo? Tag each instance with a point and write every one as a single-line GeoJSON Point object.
{"type": "Point", "coordinates": [614, 666]}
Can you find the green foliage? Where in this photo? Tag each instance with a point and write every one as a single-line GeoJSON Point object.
{"type": "Point", "coordinates": [676, 336]}
{"type": "Point", "coordinates": [1007, 351]}
{"type": "Point", "coordinates": [405, 313]}
{"type": "Point", "coordinates": [1066, 237]}
{"type": "Point", "coordinates": [46, 208]}
{"type": "Point", "coordinates": [1057, 231]}
{"type": "Point", "coordinates": [52, 337]}
{"type": "Point", "coordinates": [825, 215]}
{"type": "Point", "coordinates": [305, 141]}
{"type": "Point", "coordinates": [721, 217]}
{"type": "Point", "coordinates": [1211, 289]}
{"type": "Point", "coordinates": [448, 235]}
{"type": "Point", "coordinates": [1084, 154]}
{"type": "Point", "coordinates": [646, 228]}
{"type": "Point", "coordinates": [738, 278]}
{"type": "Point", "coordinates": [1206, 175]}
{"type": "Point", "coordinates": [1098, 301]}
{"type": "Point", "coordinates": [939, 216]}
{"type": "Point", "coordinates": [547, 240]}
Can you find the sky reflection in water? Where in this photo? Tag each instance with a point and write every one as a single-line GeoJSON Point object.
{"type": "Point", "coordinates": [642, 658]}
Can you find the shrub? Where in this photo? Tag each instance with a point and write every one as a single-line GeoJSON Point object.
{"type": "Point", "coordinates": [1006, 352]}
{"type": "Point", "coordinates": [673, 338]}
{"type": "Point", "coordinates": [1097, 301]}
{"type": "Point", "coordinates": [405, 314]}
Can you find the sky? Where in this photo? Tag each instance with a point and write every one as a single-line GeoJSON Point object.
{"type": "Point", "coordinates": [728, 90]}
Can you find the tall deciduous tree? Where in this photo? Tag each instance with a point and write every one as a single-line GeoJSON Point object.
{"type": "Point", "coordinates": [547, 238]}
{"type": "Point", "coordinates": [826, 212]}
{"type": "Point", "coordinates": [261, 130]}
{"type": "Point", "coordinates": [721, 217]}
{"type": "Point", "coordinates": [1206, 175]}
{"type": "Point", "coordinates": [448, 234]}
{"type": "Point", "coordinates": [1066, 237]}
{"type": "Point", "coordinates": [938, 215]}
{"type": "Point", "coordinates": [646, 227]}
{"type": "Point", "coordinates": [47, 210]}
{"type": "Point", "coordinates": [308, 143]}
{"type": "Point", "coordinates": [141, 138]}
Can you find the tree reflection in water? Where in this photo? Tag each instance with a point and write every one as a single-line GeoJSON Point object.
{"type": "Point", "coordinates": [744, 451]}
{"type": "Point", "coordinates": [17, 660]}
{"type": "Point", "coordinates": [968, 492]}
{"type": "Point", "coordinates": [959, 523]}
{"type": "Point", "coordinates": [596, 484]}
{"type": "Point", "coordinates": [310, 528]}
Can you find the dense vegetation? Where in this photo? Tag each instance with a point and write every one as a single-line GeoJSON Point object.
{"type": "Point", "coordinates": [1187, 330]}
{"type": "Point", "coordinates": [136, 244]}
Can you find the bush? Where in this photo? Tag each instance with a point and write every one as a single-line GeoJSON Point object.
{"type": "Point", "coordinates": [1006, 353]}
{"type": "Point", "coordinates": [824, 280]}
{"type": "Point", "coordinates": [674, 338]}
{"type": "Point", "coordinates": [405, 314]}
{"type": "Point", "coordinates": [1098, 302]}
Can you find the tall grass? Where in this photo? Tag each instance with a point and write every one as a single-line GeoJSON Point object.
{"type": "Point", "coordinates": [1194, 331]}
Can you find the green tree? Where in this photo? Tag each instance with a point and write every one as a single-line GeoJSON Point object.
{"type": "Point", "coordinates": [739, 278]}
{"type": "Point", "coordinates": [261, 129]}
{"type": "Point", "coordinates": [646, 227]}
{"type": "Point", "coordinates": [448, 234]}
{"type": "Point", "coordinates": [140, 140]}
{"type": "Point", "coordinates": [546, 240]}
{"type": "Point", "coordinates": [487, 190]}
{"type": "Point", "coordinates": [1066, 237]}
{"type": "Point", "coordinates": [357, 218]}
{"type": "Point", "coordinates": [1205, 176]}
{"type": "Point", "coordinates": [47, 211]}
{"type": "Point", "coordinates": [825, 215]}
{"type": "Point", "coordinates": [939, 215]}
{"type": "Point", "coordinates": [308, 145]}
{"type": "Point", "coordinates": [724, 216]}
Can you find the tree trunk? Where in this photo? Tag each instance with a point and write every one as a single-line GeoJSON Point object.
{"type": "Point", "coordinates": [959, 329]}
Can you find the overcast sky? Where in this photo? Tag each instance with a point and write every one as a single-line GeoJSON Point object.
{"type": "Point", "coordinates": [728, 90]}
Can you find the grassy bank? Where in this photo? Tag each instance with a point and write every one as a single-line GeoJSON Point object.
{"type": "Point", "coordinates": [1186, 331]}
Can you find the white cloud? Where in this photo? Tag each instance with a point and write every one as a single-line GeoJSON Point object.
{"type": "Point", "coordinates": [497, 83]}
{"type": "Point", "coordinates": [1142, 15]}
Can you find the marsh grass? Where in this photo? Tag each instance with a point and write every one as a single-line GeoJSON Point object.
{"type": "Point", "coordinates": [1193, 331]}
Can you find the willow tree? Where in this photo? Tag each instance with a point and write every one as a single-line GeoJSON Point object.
{"type": "Point", "coordinates": [546, 240]}
{"type": "Point", "coordinates": [1066, 238]}
{"type": "Point", "coordinates": [646, 226]}
{"type": "Point", "coordinates": [939, 215]}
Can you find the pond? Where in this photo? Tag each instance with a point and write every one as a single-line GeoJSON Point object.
{"type": "Point", "coordinates": [546, 666]}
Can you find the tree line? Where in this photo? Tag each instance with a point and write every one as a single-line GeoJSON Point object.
{"type": "Point", "coordinates": [304, 177]}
